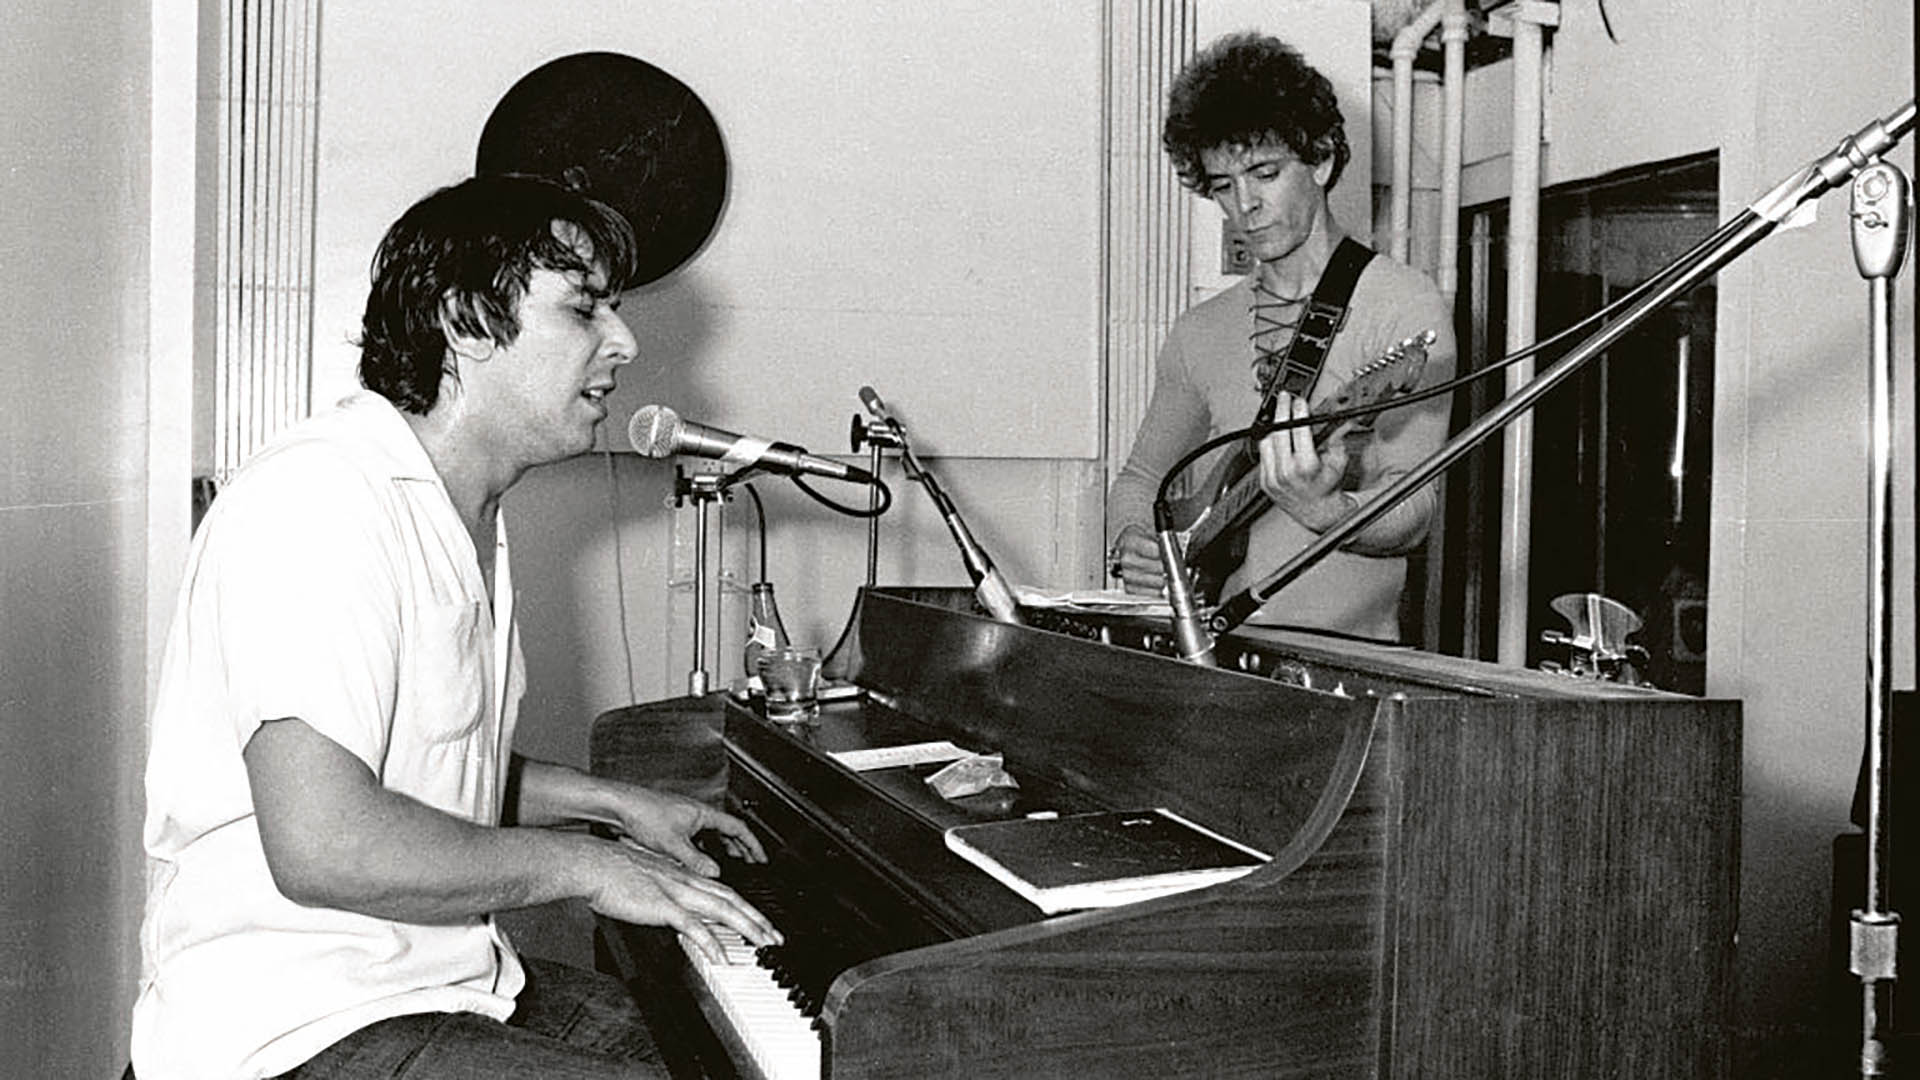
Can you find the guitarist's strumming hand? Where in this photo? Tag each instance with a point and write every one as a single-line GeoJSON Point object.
{"type": "Point", "coordinates": [1135, 560]}
{"type": "Point", "coordinates": [1302, 480]}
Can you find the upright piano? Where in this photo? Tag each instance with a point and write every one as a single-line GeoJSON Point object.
{"type": "Point", "coordinates": [1476, 871]}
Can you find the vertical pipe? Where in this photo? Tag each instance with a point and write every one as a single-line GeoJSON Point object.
{"type": "Point", "coordinates": [1400, 183]}
{"type": "Point", "coordinates": [1453, 97]}
{"type": "Point", "coordinates": [1523, 227]}
{"type": "Point", "coordinates": [1406, 45]}
{"type": "Point", "coordinates": [1453, 40]}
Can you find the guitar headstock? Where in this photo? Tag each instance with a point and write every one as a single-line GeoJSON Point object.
{"type": "Point", "coordinates": [1395, 371]}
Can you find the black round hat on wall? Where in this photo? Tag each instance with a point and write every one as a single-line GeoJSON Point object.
{"type": "Point", "coordinates": [624, 132]}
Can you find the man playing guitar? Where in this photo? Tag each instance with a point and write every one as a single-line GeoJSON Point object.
{"type": "Point", "coordinates": [1256, 129]}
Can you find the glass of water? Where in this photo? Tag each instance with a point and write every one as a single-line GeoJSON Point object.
{"type": "Point", "coordinates": [792, 677]}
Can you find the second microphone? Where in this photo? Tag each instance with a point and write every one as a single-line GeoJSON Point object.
{"type": "Point", "coordinates": [657, 432]}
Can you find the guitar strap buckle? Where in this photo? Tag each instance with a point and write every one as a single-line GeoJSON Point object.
{"type": "Point", "coordinates": [1320, 325]}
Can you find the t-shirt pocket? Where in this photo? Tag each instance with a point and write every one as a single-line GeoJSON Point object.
{"type": "Point", "coordinates": [445, 674]}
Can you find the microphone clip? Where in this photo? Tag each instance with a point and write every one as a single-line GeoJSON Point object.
{"type": "Point", "coordinates": [704, 484]}
{"type": "Point", "coordinates": [876, 432]}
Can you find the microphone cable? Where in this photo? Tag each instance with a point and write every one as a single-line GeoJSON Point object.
{"type": "Point", "coordinates": [760, 515]}
{"type": "Point", "coordinates": [885, 503]}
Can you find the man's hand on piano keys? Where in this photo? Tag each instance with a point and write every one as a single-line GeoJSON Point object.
{"type": "Point", "coordinates": [646, 888]}
{"type": "Point", "coordinates": [667, 823]}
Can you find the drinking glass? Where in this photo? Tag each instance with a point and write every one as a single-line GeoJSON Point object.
{"type": "Point", "coordinates": [792, 677]}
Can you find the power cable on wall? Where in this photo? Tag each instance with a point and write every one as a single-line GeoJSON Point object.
{"type": "Point", "coordinates": [619, 572]}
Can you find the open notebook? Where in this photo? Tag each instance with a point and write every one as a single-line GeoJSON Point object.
{"type": "Point", "coordinates": [1101, 859]}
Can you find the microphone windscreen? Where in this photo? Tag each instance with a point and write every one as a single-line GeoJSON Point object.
{"type": "Point", "coordinates": [654, 431]}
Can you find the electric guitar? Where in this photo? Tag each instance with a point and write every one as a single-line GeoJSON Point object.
{"type": "Point", "coordinates": [1215, 541]}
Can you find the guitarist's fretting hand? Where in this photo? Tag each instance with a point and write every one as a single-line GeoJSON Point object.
{"type": "Point", "coordinates": [1301, 480]}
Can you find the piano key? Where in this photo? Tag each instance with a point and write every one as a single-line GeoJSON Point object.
{"type": "Point", "coordinates": [781, 1039]}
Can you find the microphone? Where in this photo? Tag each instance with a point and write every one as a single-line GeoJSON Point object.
{"type": "Point", "coordinates": [989, 587]}
{"type": "Point", "coordinates": [657, 432]}
{"type": "Point", "coordinates": [871, 399]}
{"type": "Point", "coordinates": [1196, 645]}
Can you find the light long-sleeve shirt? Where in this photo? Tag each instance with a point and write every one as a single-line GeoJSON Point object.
{"type": "Point", "coordinates": [1205, 385]}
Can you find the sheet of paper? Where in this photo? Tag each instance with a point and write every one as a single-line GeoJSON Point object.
{"type": "Point", "coordinates": [1108, 601]}
{"type": "Point", "coordinates": [893, 757]}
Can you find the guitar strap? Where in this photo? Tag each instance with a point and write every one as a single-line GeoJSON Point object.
{"type": "Point", "coordinates": [1326, 313]}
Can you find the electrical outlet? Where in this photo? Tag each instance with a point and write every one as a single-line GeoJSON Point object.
{"type": "Point", "coordinates": [1234, 256]}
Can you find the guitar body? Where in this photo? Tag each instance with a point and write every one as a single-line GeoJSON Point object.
{"type": "Point", "coordinates": [1219, 517]}
{"type": "Point", "coordinates": [1211, 564]}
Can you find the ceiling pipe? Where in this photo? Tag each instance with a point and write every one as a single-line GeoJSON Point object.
{"type": "Point", "coordinates": [1406, 46]}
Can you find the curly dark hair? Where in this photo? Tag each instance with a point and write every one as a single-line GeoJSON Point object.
{"type": "Point", "coordinates": [459, 261]}
{"type": "Point", "coordinates": [1246, 90]}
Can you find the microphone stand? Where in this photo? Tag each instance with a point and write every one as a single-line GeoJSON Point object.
{"type": "Point", "coordinates": [876, 434]}
{"type": "Point", "coordinates": [701, 489]}
{"type": "Point", "coordinates": [988, 586]}
{"type": "Point", "coordinates": [1881, 211]}
{"type": "Point", "coordinates": [1732, 240]}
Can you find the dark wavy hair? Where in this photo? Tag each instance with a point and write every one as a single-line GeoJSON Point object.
{"type": "Point", "coordinates": [459, 261]}
{"type": "Point", "coordinates": [1247, 90]}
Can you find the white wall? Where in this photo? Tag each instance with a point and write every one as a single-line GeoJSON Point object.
{"type": "Point", "coordinates": [914, 200]}
{"type": "Point", "coordinates": [73, 399]}
{"type": "Point", "coordinates": [1771, 86]}
{"type": "Point", "coordinates": [914, 205]}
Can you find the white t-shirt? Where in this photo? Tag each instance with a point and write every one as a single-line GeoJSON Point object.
{"type": "Point", "coordinates": [332, 581]}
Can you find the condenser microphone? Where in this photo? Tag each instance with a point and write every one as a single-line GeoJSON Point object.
{"type": "Point", "coordinates": [657, 432]}
{"type": "Point", "coordinates": [878, 408]}
{"type": "Point", "coordinates": [989, 587]}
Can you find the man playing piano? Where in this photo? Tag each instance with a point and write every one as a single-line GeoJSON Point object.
{"type": "Point", "coordinates": [1256, 129]}
{"type": "Point", "coordinates": [333, 806]}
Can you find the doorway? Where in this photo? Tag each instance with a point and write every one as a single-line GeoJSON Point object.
{"type": "Point", "coordinates": [1622, 452]}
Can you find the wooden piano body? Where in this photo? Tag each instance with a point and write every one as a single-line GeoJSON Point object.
{"type": "Point", "coordinates": [1478, 871]}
